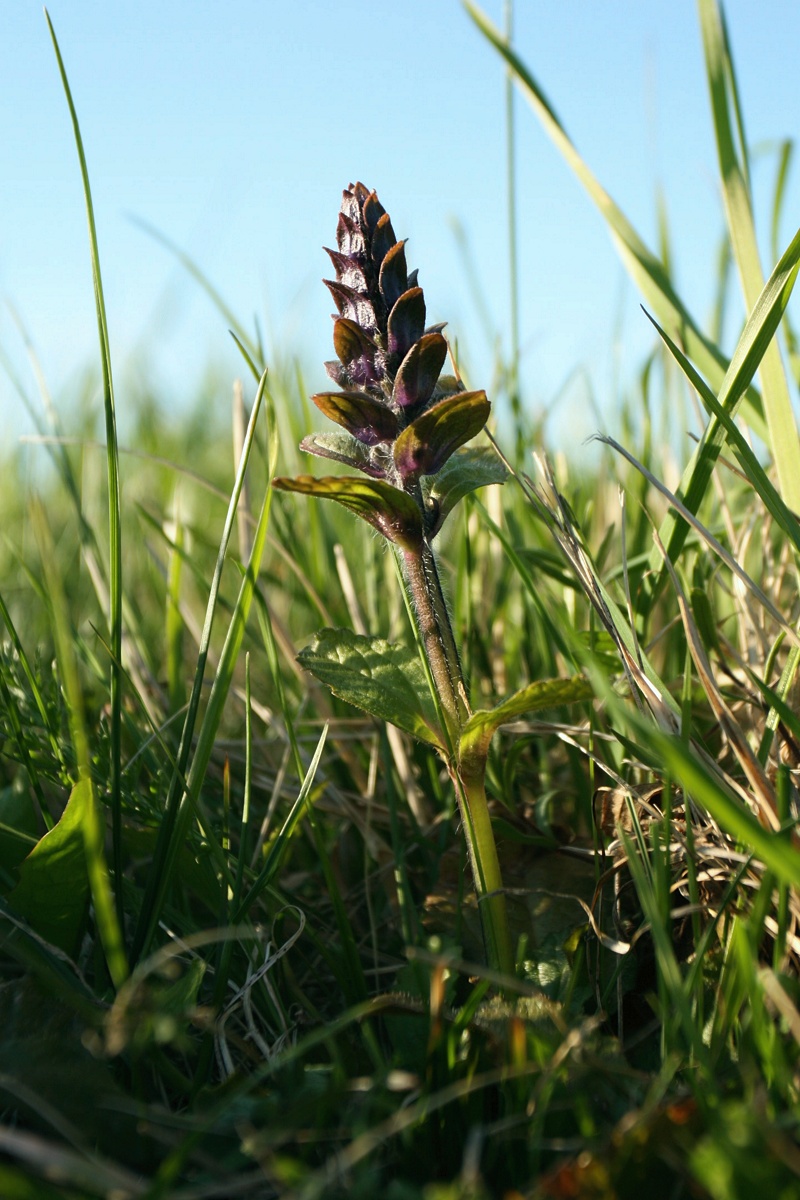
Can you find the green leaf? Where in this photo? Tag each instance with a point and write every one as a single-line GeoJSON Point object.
{"type": "Point", "coordinates": [360, 414]}
{"type": "Point", "coordinates": [278, 847]}
{"type": "Point", "coordinates": [757, 334]}
{"type": "Point", "coordinates": [647, 271]}
{"type": "Point", "coordinates": [386, 508]}
{"type": "Point", "coordinates": [388, 681]}
{"type": "Point", "coordinates": [186, 780]}
{"type": "Point", "coordinates": [467, 470]}
{"type": "Point", "coordinates": [341, 447]}
{"type": "Point", "coordinates": [783, 439]}
{"type": "Point", "coordinates": [426, 444]}
{"type": "Point", "coordinates": [53, 889]}
{"type": "Point", "coordinates": [114, 521]}
{"type": "Point", "coordinates": [545, 693]}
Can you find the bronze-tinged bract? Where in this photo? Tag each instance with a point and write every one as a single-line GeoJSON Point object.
{"type": "Point", "coordinates": [399, 419]}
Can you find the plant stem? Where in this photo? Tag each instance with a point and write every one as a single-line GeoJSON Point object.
{"type": "Point", "coordinates": [436, 631]}
{"type": "Point", "coordinates": [433, 622]}
{"type": "Point", "coordinates": [485, 868]}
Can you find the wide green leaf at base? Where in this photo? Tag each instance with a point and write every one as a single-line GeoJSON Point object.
{"type": "Point", "coordinates": [386, 680]}
{"type": "Point", "coordinates": [53, 889]}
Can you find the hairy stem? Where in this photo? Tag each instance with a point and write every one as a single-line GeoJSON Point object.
{"type": "Point", "coordinates": [436, 631]}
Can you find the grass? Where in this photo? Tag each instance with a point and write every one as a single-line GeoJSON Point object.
{"type": "Point", "coordinates": [240, 951]}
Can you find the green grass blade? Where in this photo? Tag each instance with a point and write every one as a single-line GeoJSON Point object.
{"type": "Point", "coordinates": [752, 468]}
{"type": "Point", "coordinates": [678, 1003]}
{"type": "Point", "coordinates": [771, 848]}
{"type": "Point", "coordinates": [271, 650]}
{"type": "Point", "coordinates": [173, 634]}
{"type": "Point", "coordinates": [513, 241]}
{"type": "Point", "coordinates": [93, 834]}
{"type": "Point", "coordinates": [11, 712]}
{"type": "Point", "coordinates": [278, 847]}
{"type": "Point", "coordinates": [757, 334]}
{"type": "Point", "coordinates": [156, 884]}
{"type": "Point", "coordinates": [114, 504]}
{"type": "Point", "coordinates": [647, 272]}
{"type": "Point", "coordinates": [38, 699]}
{"type": "Point", "coordinates": [783, 435]}
{"type": "Point", "coordinates": [53, 970]}
{"type": "Point", "coordinates": [784, 162]}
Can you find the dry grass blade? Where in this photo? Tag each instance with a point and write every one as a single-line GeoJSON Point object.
{"type": "Point", "coordinates": [763, 793]}
{"type": "Point", "coordinates": [707, 537]}
{"type": "Point", "coordinates": [552, 506]}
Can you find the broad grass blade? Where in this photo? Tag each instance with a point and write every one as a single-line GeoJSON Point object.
{"type": "Point", "coordinates": [647, 272]}
{"type": "Point", "coordinates": [756, 336]}
{"type": "Point", "coordinates": [783, 436]}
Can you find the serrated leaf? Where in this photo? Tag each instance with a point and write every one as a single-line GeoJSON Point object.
{"type": "Point", "coordinates": [386, 508]}
{"type": "Point", "coordinates": [465, 471]}
{"type": "Point", "coordinates": [382, 678]}
{"type": "Point", "coordinates": [545, 693]}
{"type": "Point", "coordinates": [428, 442]}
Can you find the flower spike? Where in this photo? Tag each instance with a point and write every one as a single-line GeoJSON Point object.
{"type": "Point", "coordinates": [400, 419]}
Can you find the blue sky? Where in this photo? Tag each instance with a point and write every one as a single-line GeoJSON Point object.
{"type": "Point", "coordinates": [232, 127]}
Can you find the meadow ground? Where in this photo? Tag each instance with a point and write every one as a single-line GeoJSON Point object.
{"type": "Point", "coordinates": [257, 937]}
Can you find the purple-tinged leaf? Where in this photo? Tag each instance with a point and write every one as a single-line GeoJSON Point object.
{"type": "Point", "coordinates": [383, 239]}
{"type": "Point", "coordinates": [386, 508]}
{"type": "Point", "coordinates": [337, 372]}
{"type": "Point", "coordinates": [353, 305]}
{"type": "Point", "coordinates": [419, 371]}
{"type": "Point", "coordinates": [406, 322]}
{"type": "Point", "coordinates": [386, 680]}
{"type": "Point", "coordinates": [349, 237]}
{"type": "Point", "coordinates": [350, 205]}
{"type": "Point", "coordinates": [342, 447]}
{"type": "Point", "coordinates": [366, 418]}
{"type": "Point", "coordinates": [350, 341]}
{"type": "Point", "coordinates": [362, 362]}
{"type": "Point", "coordinates": [413, 277]}
{"type": "Point", "coordinates": [373, 211]}
{"type": "Point", "coordinates": [426, 444]}
{"type": "Point", "coordinates": [348, 270]}
{"type": "Point", "coordinates": [393, 279]}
